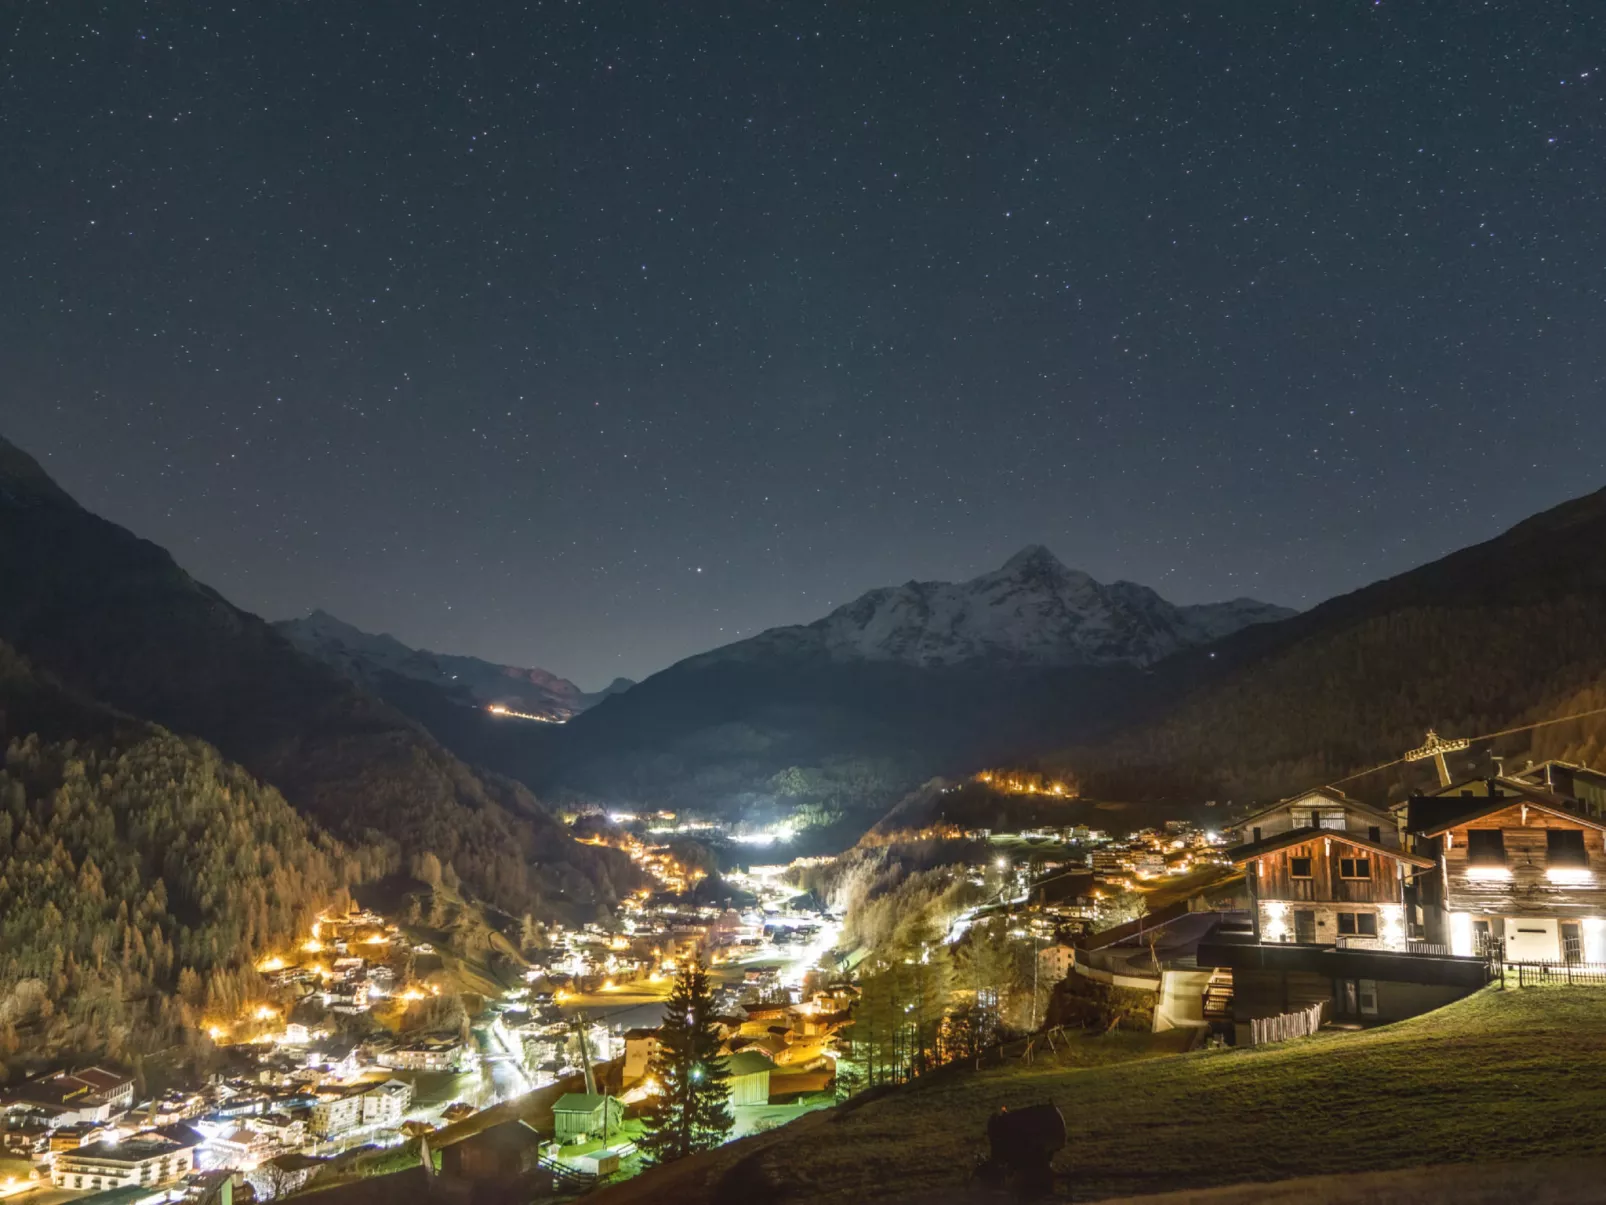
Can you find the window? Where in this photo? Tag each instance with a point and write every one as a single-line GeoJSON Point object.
{"type": "Point", "coordinates": [1486, 847]}
{"type": "Point", "coordinates": [1357, 924]}
{"type": "Point", "coordinates": [1299, 868]}
{"type": "Point", "coordinates": [1355, 868]}
{"type": "Point", "coordinates": [1333, 820]}
{"type": "Point", "coordinates": [1256, 832]}
{"type": "Point", "coordinates": [1565, 847]}
{"type": "Point", "coordinates": [1368, 994]}
{"type": "Point", "coordinates": [1374, 834]}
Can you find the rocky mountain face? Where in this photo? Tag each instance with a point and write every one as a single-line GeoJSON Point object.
{"type": "Point", "coordinates": [113, 618]}
{"type": "Point", "coordinates": [370, 660]}
{"type": "Point", "coordinates": [1033, 611]}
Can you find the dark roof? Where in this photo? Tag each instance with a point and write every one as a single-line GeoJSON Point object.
{"type": "Point", "coordinates": [1431, 815]}
{"type": "Point", "coordinates": [638, 1034]}
{"type": "Point", "coordinates": [748, 1062]}
{"type": "Point", "coordinates": [579, 1102]}
{"type": "Point", "coordinates": [1298, 836]}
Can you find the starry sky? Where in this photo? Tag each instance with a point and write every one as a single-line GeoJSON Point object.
{"type": "Point", "coordinates": [591, 335]}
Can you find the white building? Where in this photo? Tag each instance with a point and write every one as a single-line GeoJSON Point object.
{"type": "Point", "coordinates": [146, 1162]}
{"type": "Point", "coordinates": [387, 1103]}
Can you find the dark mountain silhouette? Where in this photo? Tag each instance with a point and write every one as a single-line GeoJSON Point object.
{"type": "Point", "coordinates": [1499, 634]}
{"type": "Point", "coordinates": [114, 618]}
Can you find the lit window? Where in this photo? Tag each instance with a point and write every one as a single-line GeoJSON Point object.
{"type": "Point", "coordinates": [1355, 868]}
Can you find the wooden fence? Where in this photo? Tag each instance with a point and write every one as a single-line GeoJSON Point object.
{"type": "Point", "coordinates": [1299, 1024]}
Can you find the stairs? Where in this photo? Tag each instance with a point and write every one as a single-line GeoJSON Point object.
{"type": "Point", "coordinates": [1218, 995]}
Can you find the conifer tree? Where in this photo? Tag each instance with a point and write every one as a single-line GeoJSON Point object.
{"type": "Point", "coordinates": [692, 1109]}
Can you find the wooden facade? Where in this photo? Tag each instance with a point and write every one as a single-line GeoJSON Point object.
{"type": "Point", "coordinates": [1528, 885]}
{"type": "Point", "coordinates": [1373, 877]}
{"type": "Point", "coordinates": [1327, 810]}
{"type": "Point", "coordinates": [1516, 875]}
{"type": "Point", "coordinates": [1314, 886]}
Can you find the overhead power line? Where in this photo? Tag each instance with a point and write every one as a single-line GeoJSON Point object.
{"type": "Point", "coordinates": [1487, 736]}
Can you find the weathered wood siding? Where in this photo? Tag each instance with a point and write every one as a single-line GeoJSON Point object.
{"type": "Point", "coordinates": [1528, 891]}
{"type": "Point", "coordinates": [1275, 879]}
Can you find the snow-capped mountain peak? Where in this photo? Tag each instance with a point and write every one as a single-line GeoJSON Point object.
{"type": "Point", "coordinates": [1033, 610]}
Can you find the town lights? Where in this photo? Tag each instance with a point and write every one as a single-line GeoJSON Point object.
{"type": "Point", "coordinates": [265, 1013]}
{"type": "Point", "coordinates": [1002, 863]}
{"type": "Point", "coordinates": [270, 964]}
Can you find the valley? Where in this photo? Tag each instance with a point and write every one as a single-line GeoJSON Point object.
{"type": "Point", "coordinates": [311, 902]}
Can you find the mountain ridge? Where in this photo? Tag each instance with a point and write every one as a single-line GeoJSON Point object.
{"type": "Point", "coordinates": [1033, 610]}
{"type": "Point", "coordinates": [367, 658]}
{"type": "Point", "coordinates": [114, 618]}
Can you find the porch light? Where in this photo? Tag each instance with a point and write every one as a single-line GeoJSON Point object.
{"type": "Point", "coordinates": [1461, 933]}
{"type": "Point", "coordinates": [1570, 876]}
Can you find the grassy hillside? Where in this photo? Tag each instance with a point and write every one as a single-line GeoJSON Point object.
{"type": "Point", "coordinates": [1500, 1076]}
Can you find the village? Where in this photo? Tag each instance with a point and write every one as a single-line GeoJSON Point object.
{"type": "Point", "coordinates": [1315, 911]}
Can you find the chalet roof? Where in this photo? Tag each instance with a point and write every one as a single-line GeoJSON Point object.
{"type": "Point", "coordinates": [1331, 794]}
{"type": "Point", "coordinates": [580, 1102]}
{"type": "Point", "coordinates": [1431, 816]}
{"type": "Point", "coordinates": [636, 1035]}
{"type": "Point", "coordinates": [1248, 852]}
{"type": "Point", "coordinates": [748, 1062]}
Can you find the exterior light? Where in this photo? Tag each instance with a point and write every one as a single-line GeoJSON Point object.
{"type": "Point", "coordinates": [1461, 933]}
{"type": "Point", "coordinates": [1570, 876]}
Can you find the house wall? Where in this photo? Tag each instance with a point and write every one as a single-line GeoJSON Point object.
{"type": "Point", "coordinates": [1333, 816]}
{"type": "Point", "coordinates": [1274, 875]}
{"type": "Point", "coordinates": [1526, 888]}
{"type": "Point", "coordinates": [1271, 993]}
{"type": "Point", "coordinates": [751, 1089]}
{"type": "Point", "coordinates": [1277, 923]}
{"type": "Point", "coordinates": [1180, 1002]}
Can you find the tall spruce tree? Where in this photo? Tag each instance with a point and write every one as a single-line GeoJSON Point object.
{"type": "Point", "coordinates": [692, 1109]}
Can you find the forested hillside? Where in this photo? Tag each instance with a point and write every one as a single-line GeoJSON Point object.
{"type": "Point", "coordinates": [113, 617]}
{"type": "Point", "coordinates": [141, 875]}
{"type": "Point", "coordinates": [1494, 636]}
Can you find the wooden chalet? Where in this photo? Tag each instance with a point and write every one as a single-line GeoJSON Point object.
{"type": "Point", "coordinates": [1514, 870]}
{"type": "Point", "coordinates": [1328, 887]}
{"type": "Point", "coordinates": [1326, 808]}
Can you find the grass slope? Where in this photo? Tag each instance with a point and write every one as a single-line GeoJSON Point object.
{"type": "Point", "coordinates": [1500, 1076]}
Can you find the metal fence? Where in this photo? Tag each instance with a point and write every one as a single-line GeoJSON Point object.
{"type": "Point", "coordinates": [1299, 1024]}
{"type": "Point", "coordinates": [1551, 974]}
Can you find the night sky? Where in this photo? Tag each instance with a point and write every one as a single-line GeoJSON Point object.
{"type": "Point", "coordinates": [593, 335]}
